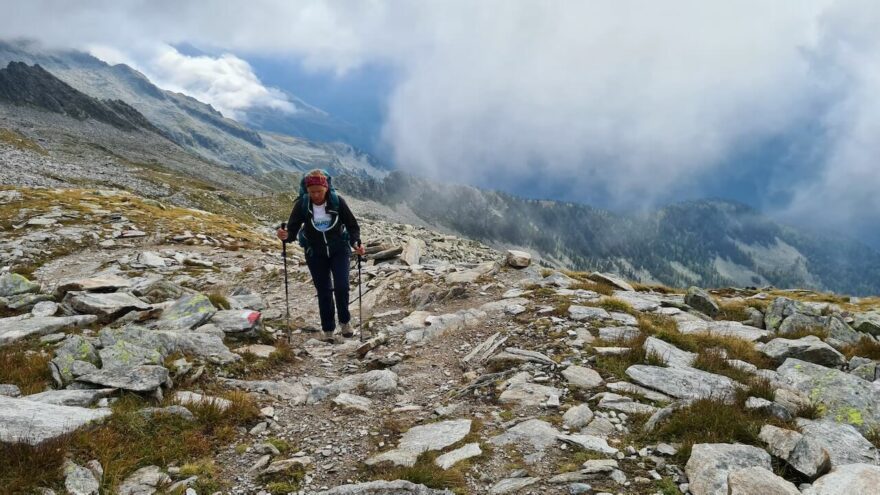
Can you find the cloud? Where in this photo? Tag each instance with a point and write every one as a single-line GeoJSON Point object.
{"type": "Point", "coordinates": [638, 100]}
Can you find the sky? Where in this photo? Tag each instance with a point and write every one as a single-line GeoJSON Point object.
{"type": "Point", "coordinates": [625, 105]}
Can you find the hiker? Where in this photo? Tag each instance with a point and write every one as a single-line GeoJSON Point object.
{"type": "Point", "coordinates": [327, 231]}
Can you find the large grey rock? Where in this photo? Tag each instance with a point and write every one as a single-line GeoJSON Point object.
{"type": "Point", "coordinates": [144, 481]}
{"type": "Point", "coordinates": [845, 398]}
{"type": "Point", "coordinates": [711, 463]}
{"type": "Point", "coordinates": [783, 307]}
{"type": "Point", "coordinates": [511, 485]}
{"type": "Point", "coordinates": [420, 439]}
{"type": "Point", "coordinates": [187, 313]}
{"type": "Point", "coordinates": [237, 320]}
{"type": "Point", "coordinates": [844, 443]}
{"type": "Point", "coordinates": [9, 390]}
{"type": "Point", "coordinates": [471, 275]}
{"type": "Point", "coordinates": [624, 404]}
{"type": "Point", "coordinates": [79, 480]}
{"type": "Point", "coordinates": [867, 322]}
{"type": "Point", "coordinates": [123, 354]}
{"type": "Point", "coordinates": [850, 479]}
{"type": "Point", "coordinates": [809, 348]}
{"type": "Point", "coordinates": [70, 358]}
{"type": "Point", "coordinates": [534, 433]}
{"type": "Point", "coordinates": [202, 344]}
{"type": "Point", "coordinates": [590, 443]}
{"type": "Point", "coordinates": [668, 353]}
{"type": "Point", "coordinates": [24, 302]}
{"type": "Point", "coordinates": [809, 457]}
{"type": "Point", "coordinates": [840, 331]}
{"type": "Point", "coordinates": [701, 300]}
{"type": "Point", "coordinates": [106, 306]}
{"type": "Point", "coordinates": [582, 378]}
{"type": "Point", "coordinates": [528, 394]}
{"type": "Point", "coordinates": [44, 308]}
{"type": "Point", "coordinates": [137, 379]}
{"type": "Point", "coordinates": [398, 487]}
{"type": "Point", "coordinates": [577, 417]}
{"type": "Point", "coordinates": [16, 328]}
{"type": "Point", "coordinates": [639, 301]}
{"type": "Point", "coordinates": [12, 284]}
{"type": "Point", "coordinates": [79, 398]}
{"type": "Point", "coordinates": [780, 442]}
{"type": "Point", "coordinates": [580, 313]}
{"type": "Point", "coordinates": [244, 298]}
{"type": "Point", "coordinates": [722, 329]}
{"type": "Point", "coordinates": [376, 381]}
{"type": "Point", "coordinates": [683, 383]}
{"type": "Point", "coordinates": [612, 280]}
{"type": "Point", "coordinates": [518, 259]}
{"type": "Point", "coordinates": [412, 251]}
{"type": "Point", "coordinates": [101, 283]}
{"type": "Point", "coordinates": [152, 259]}
{"type": "Point", "coordinates": [22, 420]}
{"type": "Point", "coordinates": [758, 480]}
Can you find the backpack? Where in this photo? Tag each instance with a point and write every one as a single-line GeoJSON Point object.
{"type": "Point", "coordinates": [305, 203]}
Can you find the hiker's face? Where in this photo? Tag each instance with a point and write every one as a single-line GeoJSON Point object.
{"type": "Point", "coordinates": [317, 193]}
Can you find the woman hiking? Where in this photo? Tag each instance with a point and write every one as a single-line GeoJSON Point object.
{"type": "Point", "coordinates": [327, 231]}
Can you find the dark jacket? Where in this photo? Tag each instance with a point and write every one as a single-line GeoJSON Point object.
{"type": "Point", "coordinates": [329, 242]}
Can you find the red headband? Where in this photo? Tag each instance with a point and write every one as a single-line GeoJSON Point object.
{"type": "Point", "coordinates": [317, 180]}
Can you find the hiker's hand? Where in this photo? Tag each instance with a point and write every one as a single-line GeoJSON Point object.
{"type": "Point", "coordinates": [282, 234]}
{"type": "Point", "coordinates": [360, 250]}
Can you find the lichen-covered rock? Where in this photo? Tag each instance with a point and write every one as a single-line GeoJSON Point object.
{"type": "Point", "coordinates": [13, 284]}
{"type": "Point", "coordinates": [683, 383]}
{"type": "Point", "coordinates": [420, 439]}
{"type": "Point", "coordinates": [867, 322]}
{"type": "Point", "coordinates": [187, 313]}
{"type": "Point", "coordinates": [106, 306]}
{"type": "Point", "coordinates": [137, 379]}
{"type": "Point", "coordinates": [16, 327]}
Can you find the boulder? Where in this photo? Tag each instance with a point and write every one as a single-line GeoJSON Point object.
{"type": "Point", "coordinates": [79, 398]}
{"type": "Point", "coordinates": [809, 348]}
{"type": "Point", "coordinates": [244, 298]}
{"type": "Point", "coordinates": [518, 259]}
{"type": "Point", "coordinates": [864, 322]}
{"type": "Point", "coordinates": [590, 443]}
{"type": "Point", "coordinates": [783, 307]}
{"type": "Point", "coordinates": [412, 251]}
{"type": "Point", "coordinates": [32, 422]}
{"type": "Point", "coordinates": [780, 442]}
{"type": "Point", "coordinates": [710, 465]}
{"type": "Point", "coordinates": [16, 328]}
{"type": "Point", "coordinates": [580, 313]}
{"type": "Point", "coordinates": [124, 354]}
{"type": "Point", "coordinates": [845, 398]}
{"type": "Point", "coordinates": [722, 328]}
{"type": "Point", "coordinates": [151, 259]}
{"type": "Point", "coordinates": [758, 480]}
{"type": "Point", "coordinates": [582, 378]}
{"type": "Point", "coordinates": [376, 381]}
{"type": "Point", "coordinates": [839, 331]}
{"type": "Point", "coordinates": [71, 356]}
{"type": "Point", "coordinates": [106, 306]}
{"type": "Point", "coordinates": [702, 301]}
{"type": "Point", "coordinates": [511, 485]}
{"type": "Point", "coordinates": [683, 383]}
{"type": "Point", "coordinates": [102, 283]}
{"type": "Point", "coordinates": [527, 394]}
{"type": "Point", "coordinates": [13, 284]}
{"type": "Point", "coordinates": [145, 481]}
{"type": "Point", "coordinates": [187, 313]}
{"type": "Point", "coordinates": [577, 417]}
{"type": "Point", "coordinates": [166, 342]}
{"type": "Point", "coordinates": [79, 480]}
{"type": "Point", "coordinates": [471, 275]}
{"type": "Point", "coordinates": [353, 403]}
{"type": "Point", "coordinates": [44, 308]}
{"type": "Point", "coordinates": [843, 442]}
{"type": "Point", "coordinates": [534, 433]}
{"type": "Point", "coordinates": [24, 302]}
{"type": "Point", "coordinates": [420, 439]}
{"type": "Point", "coordinates": [850, 479]}
{"type": "Point", "coordinates": [809, 457]}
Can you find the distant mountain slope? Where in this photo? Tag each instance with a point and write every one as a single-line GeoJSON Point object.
{"type": "Point", "coordinates": [21, 84]}
{"type": "Point", "coordinates": [194, 125]}
{"type": "Point", "coordinates": [707, 243]}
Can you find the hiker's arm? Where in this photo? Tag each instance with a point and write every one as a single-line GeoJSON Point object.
{"type": "Point", "coordinates": [294, 222]}
{"type": "Point", "coordinates": [350, 222]}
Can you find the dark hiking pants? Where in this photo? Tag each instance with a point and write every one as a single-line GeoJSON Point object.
{"type": "Point", "coordinates": [322, 269]}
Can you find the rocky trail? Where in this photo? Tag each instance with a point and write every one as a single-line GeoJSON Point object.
{"type": "Point", "coordinates": [144, 350]}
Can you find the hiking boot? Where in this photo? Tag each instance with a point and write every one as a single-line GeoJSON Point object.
{"type": "Point", "coordinates": [328, 337]}
{"type": "Point", "coordinates": [346, 330]}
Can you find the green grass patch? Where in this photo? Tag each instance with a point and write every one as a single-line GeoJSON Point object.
{"type": "Point", "coordinates": [24, 367]}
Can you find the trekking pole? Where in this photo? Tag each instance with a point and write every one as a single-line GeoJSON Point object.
{"type": "Point", "coordinates": [360, 298]}
{"type": "Point", "coordinates": [286, 290]}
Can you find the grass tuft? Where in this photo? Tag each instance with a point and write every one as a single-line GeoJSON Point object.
{"type": "Point", "coordinates": [866, 348]}
{"type": "Point", "coordinates": [25, 368]}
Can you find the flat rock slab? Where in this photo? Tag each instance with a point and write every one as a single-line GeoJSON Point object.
{"type": "Point", "coordinates": [32, 422]}
{"type": "Point", "coordinates": [510, 485]}
{"type": "Point", "coordinates": [79, 398]}
{"type": "Point", "coordinates": [580, 313]}
{"type": "Point", "coordinates": [292, 391]}
{"type": "Point", "coordinates": [353, 402]}
{"type": "Point", "coordinates": [669, 354]}
{"type": "Point", "coordinates": [711, 463]}
{"type": "Point", "coordinates": [106, 306]}
{"type": "Point", "coordinates": [137, 379]}
{"type": "Point", "coordinates": [104, 283]}
{"type": "Point", "coordinates": [202, 344]}
{"type": "Point", "coordinates": [851, 479]}
{"type": "Point", "coordinates": [589, 443]}
{"type": "Point", "coordinates": [639, 301]}
{"type": "Point", "coordinates": [722, 329]}
{"type": "Point", "coordinates": [533, 433]}
{"type": "Point", "coordinates": [398, 487]}
{"type": "Point", "coordinates": [187, 313]}
{"type": "Point", "coordinates": [624, 404]}
{"type": "Point", "coordinates": [612, 280]}
{"type": "Point", "coordinates": [683, 383]}
{"type": "Point", "coordinates": [450, 459]}
{"type": "Point", "coordinates": [420, 439]}
{"type": "Point", "coordinates": [377, 381]}
{"type": "Point", "coordinates": [259, 350]}
{"type": "Point", "coordinates": [124, 354]}
{"type": "Point", "coordinates": [846, 398]}
{"type": "Point", "coordinates": [16, 328]}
